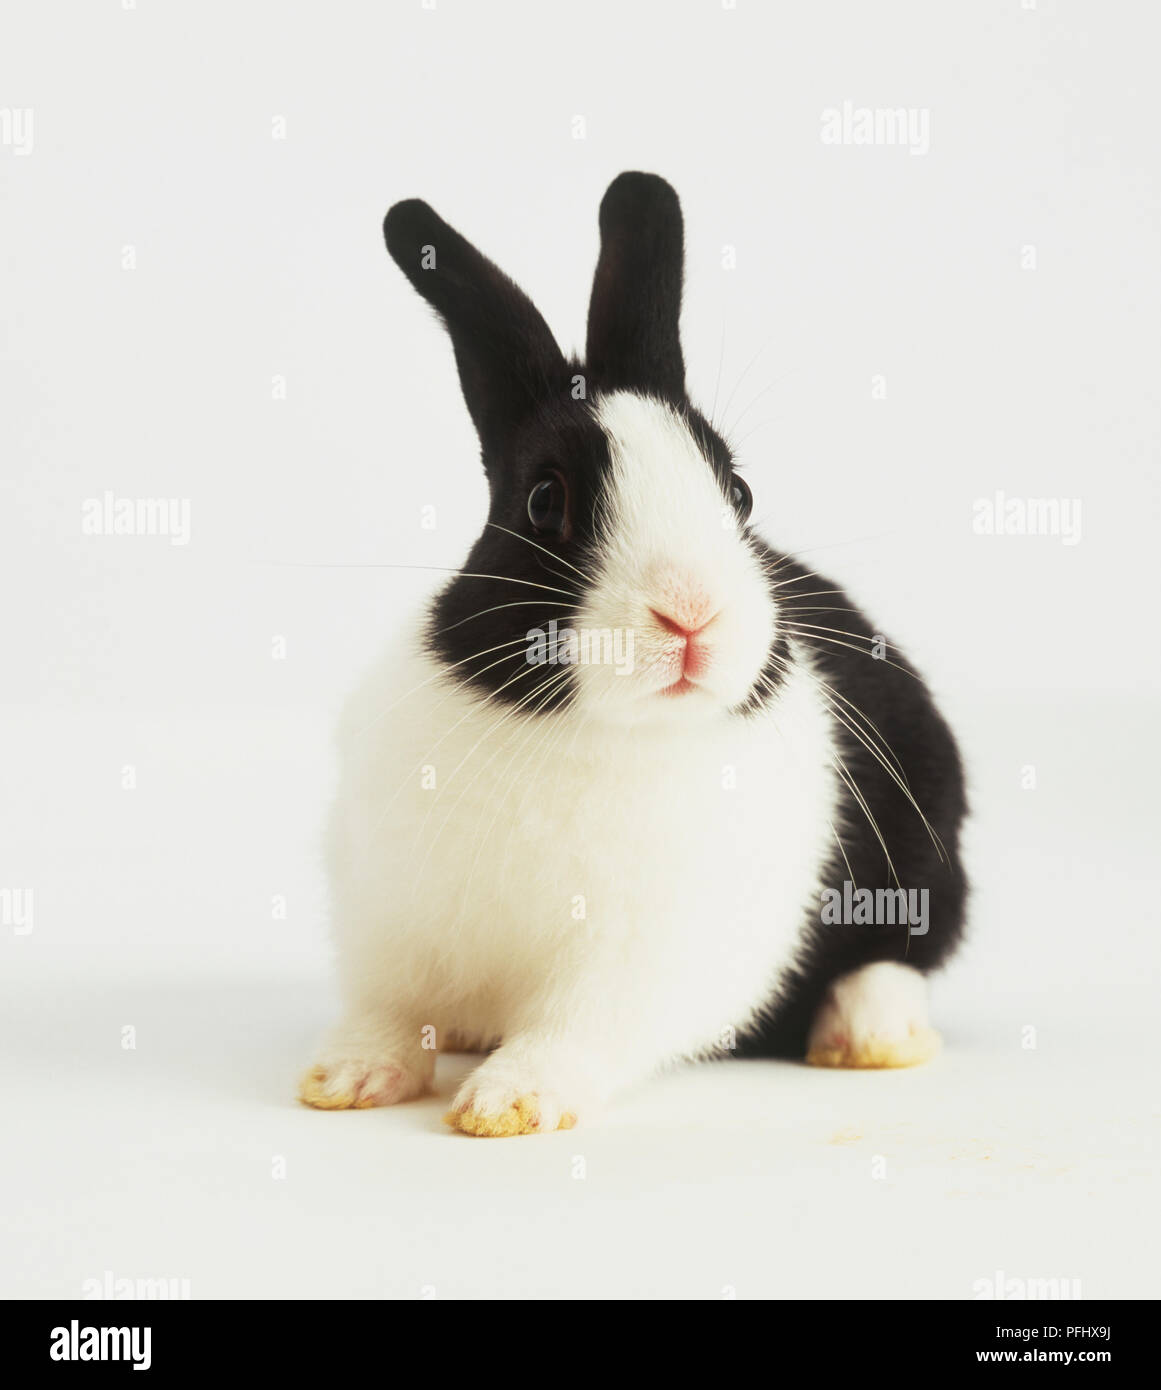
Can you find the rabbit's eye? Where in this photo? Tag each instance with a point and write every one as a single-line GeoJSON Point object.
{"type": "Point", "coordinates": [742, 498]}
{"type": "Point", "coordinates": [548, 506]}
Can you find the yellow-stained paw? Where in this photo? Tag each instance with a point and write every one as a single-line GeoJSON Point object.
{"type": "Point", "coordinates": [353, 1085]}
{"type": "Point", "coordinates": [916, 1047]}
{"type": "Point", "coordinates": [873, 1017]}
{"type": "Point", "coordinates": [315, 1091]}
{"type": "Point", "coordinates": [522, 1117]}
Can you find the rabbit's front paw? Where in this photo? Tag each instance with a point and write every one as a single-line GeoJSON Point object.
{"type": "Point", "coordinates": [354, 1084]}
{"type": "Point", "coordinates": [500, 1103]}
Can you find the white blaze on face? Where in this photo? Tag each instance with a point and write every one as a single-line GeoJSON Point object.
{"type": "Point", "coordinates": [673, 572]}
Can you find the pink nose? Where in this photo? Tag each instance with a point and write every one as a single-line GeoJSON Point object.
{"type": "Point", "coordinates": [681, 629]}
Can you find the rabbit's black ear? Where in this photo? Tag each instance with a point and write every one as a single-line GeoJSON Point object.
{"type": "Point", "coordinates": [634, 336]}
{"type": "Point", "coordinates": [507, 357]}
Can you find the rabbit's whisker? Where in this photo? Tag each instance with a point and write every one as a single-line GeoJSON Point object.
{"type": "Point", "coordinates": [857, 712]}
{"type": "Point", "coordinates": [849, 781]}
{"type": "Point", "coordinates": [496, 607]}
{"type": "Point", "coordinates": [718, 383]}
{"type": "Point", "coordinates": [808, 637]}
{"type": "Point", "coordinates": [487, 696]}
{"type": "Point", "coordinates": [842, 632]}
{"type": "Point", "coordinates": [560, 558]}
{"type": "Point", "coordinates": [439, 675]}
{"type": "Point", "coordinates": [765, 391]}
{"type": "Point", "coordinates": [538, 727]}
{"type": "Point", "coordinates": [899, 781]}
{"type": "Point", "coordinates": [488, 734]}
{"type": "Point", "coordinates": [745, 372]}
{"type": "Point", "coordinates": [441, 569]}
{"type": "Point", "coordinates": [896, 773]}
{"type": "Point", "coordinates": [793, 607]}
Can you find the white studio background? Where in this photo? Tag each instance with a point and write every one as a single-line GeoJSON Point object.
{"type": "Point", "coordinates": [197, 305]}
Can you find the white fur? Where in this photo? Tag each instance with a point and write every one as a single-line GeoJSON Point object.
{"type": "Point", "coordinates": [599, 890]}
{"type": "Point", "coordinates": [879, 1005]}
{"type": "Point", "coordinates": [673, 546]}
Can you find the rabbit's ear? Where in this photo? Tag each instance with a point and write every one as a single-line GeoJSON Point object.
{"type": "Point", "coordinates": [634, 339]}
{"type": "Point", "coordinates": [507, 357]}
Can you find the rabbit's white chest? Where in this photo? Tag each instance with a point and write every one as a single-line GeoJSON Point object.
{"type": "Point", "coordinates": [494, 860]}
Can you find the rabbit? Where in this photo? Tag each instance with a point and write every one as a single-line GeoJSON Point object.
{"type": "Point", "coordinates": [704, 832]}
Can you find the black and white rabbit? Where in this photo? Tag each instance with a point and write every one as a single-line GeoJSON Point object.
{"type": "Point", "coordinates": [593, 858]}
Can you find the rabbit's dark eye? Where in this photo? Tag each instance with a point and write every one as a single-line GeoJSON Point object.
{"type": "Point", "coordinates": [548, 506]}
{"type": "Point", "coordinates": [741, 497]}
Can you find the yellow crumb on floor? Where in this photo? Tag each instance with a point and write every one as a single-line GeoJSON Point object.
{"type": "Point", "coordinates": [846, 1136]}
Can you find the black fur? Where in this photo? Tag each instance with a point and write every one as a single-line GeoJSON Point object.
{"type": "Point", "coordinates": [634, 338]}
{"type": "Point", "coordinates": [534, 413]}
{"type": "Point", "coordinates": [898, 719]}
{"type": "Point", "coordinates": [508, 360]}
